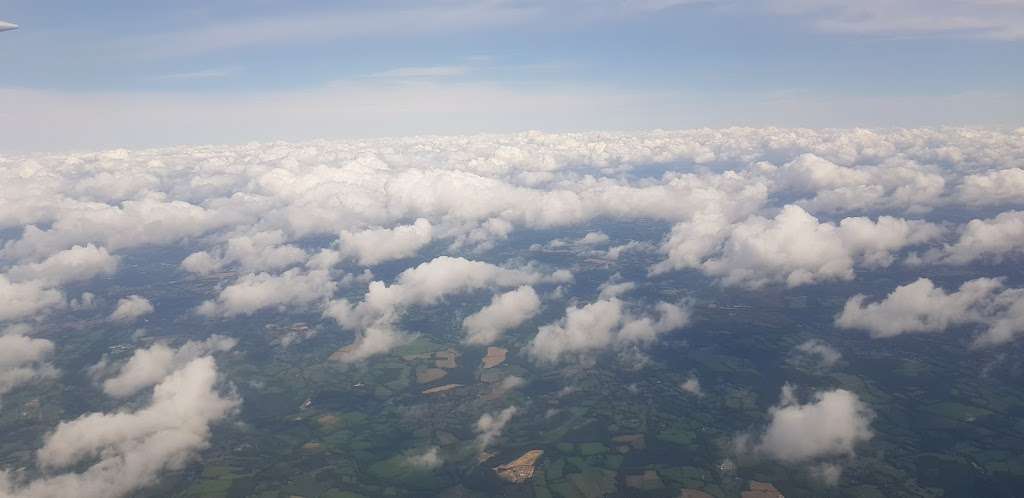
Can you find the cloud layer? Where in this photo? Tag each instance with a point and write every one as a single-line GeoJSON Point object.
{"type": "Point", "coordinates": [303, 228]}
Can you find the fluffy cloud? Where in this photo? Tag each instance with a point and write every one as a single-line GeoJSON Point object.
{"type": "Point", "coordinates": [1004, 186]}
{"type": "Point", "coordinates": [593, 238]}
{"type": "Point", "coordinates": [506, 311]}
{"type": "Point", "coordinates": [759, 250]}
{"type": "Point", "coordinates": [128, 450]}
{"type": "Point", "coordinates": [830, 425]}
{"type": "Point", "coordinates": [482, 237]}
{"type": "Point", "coordinates": [23, 359]}
{"type": "Point", "coordinates": [827, 355]}
{"type": "Point", "coordinates": [476, 190]}
{"type": "Point", "coordinates": [894, 184]}
{"type": "Point", "coordinates": [490, 426]}
{"type": "Point", "coordinates": [993, 239]}
{"type": "Point", "coordinates": [590, 239]}
{"type": "Point", "coordinates": [148, 221]}
{"type": "Point", "coordinates": [922, 307]}
{"type": "Point", "coordinates": [69, 265]}
{"type": "Point", "coordinates": [260, 251]}
{"type": "Point", "coordinates": [616, 252]}
{"type": "Point", "coordinates": [86, 301]}
{"type": "Point", "coordinates": [258, 291]}
{"type": "Point", "coordinates": [201, 263]}
{"type": "Point", "coordinates": [31, 288]}
{"type": "Point", "coordinates": [736, 199]}
{"type": "Point", "coordinates": [601, 324]}
{"type": "Point", "coordinates": [20, 300]}
{"type": "Point", "coordinates": [374, 246]}
{"type": "Point", "coordinates": [149, 366]}
{"type": "Point", "coordinates": [131, 308]}
{"type": "Point", "coordinates": [374, 318]}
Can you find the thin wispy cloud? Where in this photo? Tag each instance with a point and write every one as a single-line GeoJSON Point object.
{"type": "Point", "coordinates": [995, 19]}
{"type": "Point", "coordinates": [422, 72]}
{"type": "Point", "coordinates": [205, 74]}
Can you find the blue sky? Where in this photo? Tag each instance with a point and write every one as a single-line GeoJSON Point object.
{"type": "Point", "coordinates": [110, 73]}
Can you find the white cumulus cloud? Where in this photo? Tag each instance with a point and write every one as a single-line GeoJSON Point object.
{"type": "Point", "coordinates": [258, 291]}
{"type": "Point", "coordinates": [792, 248]}
{"type": "Point", "coordinates": [602, 324]}
{"type": "Point", "coordinates": [506, 311]}
{"type": "Point", "coordinates": [374, 318]}
{"type": "Point", "coordinates": [920, 306]}
{"type": "Point", "coordinates": [148, 366]}
{"type": "Point", "coordinates": [124, 451]}
{"type": "Point", "coordinates": [131, 308]}
{"type": "Point", "coordinates": [374, 246]}
{"type": "Point", "coordinates": [23, 359]}
{"type": "Point", "coordinates": [831, 424]}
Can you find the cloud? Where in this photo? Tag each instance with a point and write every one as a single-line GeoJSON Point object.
{"type": "Point", "coordinates": [473, 190]}
{"type": "Point", "coordinates": [429, 459]}
{"type": "Point", "coordinates": [490, 426]}
{"type": "Point", "coordinates": [593, 239]}
{"type": "Point", "coordinates": [23, 359]}
{"type": "Point", "coordinates": [991, 239]}
{"type": "Point", "coordinates": [149, 366]}
{"type": "Point", "coordinates": [261, 209]}
{"type": "Point", "coordinates": [759, 251]}
{"type": "Point", "coordinates": [87, 301]}
{"type": "Point", "coordinates": [262, 251]}
{"type": "Point", "coordinates": [999, 187]}
{"type": "Point", "coordinates": [616, 252]}
{"type": "Point", "coordinates": [128, 450]}
{"type": "Point", "coordinates": [692, 386]}
{"type": "Point", "coordinates": [70, 265]}
{"type": "Point", "coordinates": [204, 74]}
{"type": "Point", "coordinates": [258, 291]}
{"type": "Point", "coordinates": [506, 311]}
{"type": "Point", "coordinates": [262, 218]}
{"type": "Point", "coordinates": [600, 325]}
{"type": "Point", "coordinates": [200, 263]}
{"type": "Point", "coordinates": [827, 355]}
{"type": "Point", "coordinates": [374, 318]}
{"type": "Point", "coordinates": [20, 300]}
{"type": "Point", "coordinates": [374, 246]}
{"type": "Point", "coordinates": [970, 19]}
{"type": "Point", "coordinates": [131, 308]}
{"type": "Point", "coordinates": [331, 24]}
{"type": "Point", "coordinates": [579, 245]}
{"type": "Point", "coordinates": [645, 330]}
{"type": "Point", "coordinates": [151, 220]}
{"type": "Point", "coordinates": [893, 184]}
{"type": "Point", "coordinates": [614, 288]}
{"type": "Point", "coordinates": [482, 237]}
{"type": "Point", "coordinates": [422, 72]}
{"type": "Point", "coordinates": [255, 252]}
{"type": "Point", "coordinates": [830, 425]}
{"type": "Point", "coordinates": [509, 383]}
{"type": "Point", "coordinates": [922, 307]}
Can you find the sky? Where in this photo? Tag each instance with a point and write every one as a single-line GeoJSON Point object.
{"type": "Point", "coordinates": [102, 74]}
